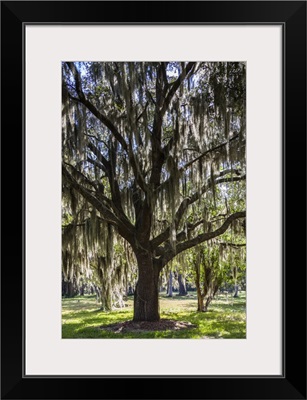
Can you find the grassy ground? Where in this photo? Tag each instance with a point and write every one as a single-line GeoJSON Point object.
{"type": "Point", "coordinates": [226, 318]}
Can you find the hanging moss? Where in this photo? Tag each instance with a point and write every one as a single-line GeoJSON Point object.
{"type": "Point", "coordinates": [206, 111]}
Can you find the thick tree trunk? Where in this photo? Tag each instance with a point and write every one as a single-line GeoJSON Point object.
{"type": "Point", "coordinates": [69, 287]}
{"type": "Point", "coordinates": [82, 289]}
{"type": "Point", "coordinates": [106, 296]}
{"type": "Point", "coordinates": [182, 285]}
{"type": "Point", "coordinates": [146, 295]}
{"type": "Point", "coordinates": [236, 293]}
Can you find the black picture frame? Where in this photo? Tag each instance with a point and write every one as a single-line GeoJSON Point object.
{"type": "Point", "coordinates": [292, 16]}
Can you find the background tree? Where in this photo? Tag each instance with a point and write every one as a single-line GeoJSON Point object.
{"type": "Point", "coordinates": [208, 273]}
{"type": "Point", "coordinates": [143, 145]}
{"type": "Point", "coordinates": [214, 264]}
{"type": "Point", "coordinates": [109, 264]}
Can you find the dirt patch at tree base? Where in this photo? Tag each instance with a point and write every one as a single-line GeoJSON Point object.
{"type": "Point", "coordinates": [147, 326]}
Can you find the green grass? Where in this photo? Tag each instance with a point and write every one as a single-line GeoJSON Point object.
{"type": "Point", "coordinates": [226, 318]}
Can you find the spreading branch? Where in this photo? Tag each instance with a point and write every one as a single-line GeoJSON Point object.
{"type": "Point", "coordinates": [185, 73]}
{"type": "Point", "coordinates": [122, 223]}
{"type": "Point", "coordinates": [108, 123]}
{"type": "Point", "coordinates": [232, 244]}
{"type": "Point", "coordinates": [164, 236]}
{"type": "Point", "coordinates": [181, 170]}
{"type": "Point", "coordinates": [169, 253]}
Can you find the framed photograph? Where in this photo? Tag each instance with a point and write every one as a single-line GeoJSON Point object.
{"type": "Point", "coordinates": [160, 150]}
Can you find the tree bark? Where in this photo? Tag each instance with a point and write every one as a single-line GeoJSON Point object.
{"type": "Point", "coordinates": [200, 301]}
{"type": "Point", "coordinates": [71, 291]}
{"type": "Point", "coordinates": [182, 285]}
{"type": "Point", "coordinates": [82, 287]}
{"type": "Point", "coordinates": [200, 297]}
{"type": "Point", "coordinates": [146, 295]}
{"type": "Point", "coordinates": [106, 296]}
{"type": "Point", "coordinates": [208, 301]}
{"type": "Point", "coordinates": [69, 288]}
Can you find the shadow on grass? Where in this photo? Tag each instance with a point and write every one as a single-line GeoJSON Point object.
{"type": "Point", "coordinates": [226, 319]}
{"type": "Point", "coordinates": [178, 297]}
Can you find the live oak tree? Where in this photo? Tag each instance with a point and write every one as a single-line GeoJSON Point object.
{"type": "Point", "coordinates": [144, 146]}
